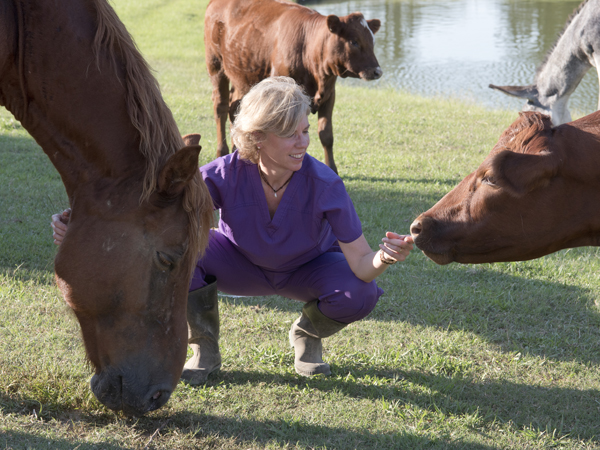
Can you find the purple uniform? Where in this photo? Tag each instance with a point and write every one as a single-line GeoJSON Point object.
{"type": "Point", "coordinates": [295, 254]}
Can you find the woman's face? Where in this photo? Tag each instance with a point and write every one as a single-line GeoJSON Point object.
{"type": "Point", "coordinates": [286, 152]}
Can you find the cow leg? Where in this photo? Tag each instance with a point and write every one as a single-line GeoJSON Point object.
{"type": "Point", "coordinates": [220, 98]}
{"type": "Point", "coordinates": [325, 128]}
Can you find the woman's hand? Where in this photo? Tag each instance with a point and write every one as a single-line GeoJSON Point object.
{"type": "Point", "coordinates": [396, 246]}
{"type": "Point", "coordinates": [367, 264]}
{"type": "Point", "coordinates": [59, 225]}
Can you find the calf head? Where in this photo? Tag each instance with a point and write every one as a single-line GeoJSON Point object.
{"type": "Point", "coordinates": [350, 49]}
{"type": "Point", "coordinates": [511, 208]}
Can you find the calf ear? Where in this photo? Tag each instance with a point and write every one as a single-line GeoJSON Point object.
{"type": "Point", "coordinates": [334, 24]}
{"type": "Point", "coordinates": [374, 25]}
{"type": "Point", "coordinates": [177, 172]}
{"type": "Point", "coordinates": [529, 92]}
{"type": "Point", "coordinates": [520, 173]}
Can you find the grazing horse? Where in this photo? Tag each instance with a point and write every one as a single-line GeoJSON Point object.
{"type": "Point", "coordinates": [575, 52]}
{"type": "Point", "coordinates": [249, 40]}
{"type": "Point", "coordinates": [71, 74]}
{"type": "Point", "coordinates": [537, 192]}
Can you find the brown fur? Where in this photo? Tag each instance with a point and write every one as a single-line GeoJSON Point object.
{"type": "Point", "coordinates": [249, 40]}
{"type": "Point", "coordinates": [147, 110]}
{"type": "Point", "coordinates": [140, 210]}
{"type": "Point", "coordinates": [536, 193]}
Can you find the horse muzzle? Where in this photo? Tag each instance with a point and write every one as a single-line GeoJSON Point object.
{"type": "Point", "coordinates": [122, 390]}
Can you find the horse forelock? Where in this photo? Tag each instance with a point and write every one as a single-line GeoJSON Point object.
{"type": "Point", "coordinates": [149, 114]}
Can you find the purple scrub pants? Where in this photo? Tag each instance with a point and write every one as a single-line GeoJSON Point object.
{"type": "Point", "coordinates": [342, 296]}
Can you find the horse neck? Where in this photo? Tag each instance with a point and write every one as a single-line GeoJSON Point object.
{"type": "Point", "coordinates": [564, 66]}
{"type": "Point", "coordinates": [71, 103]}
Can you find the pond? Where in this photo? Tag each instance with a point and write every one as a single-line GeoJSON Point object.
{"type": "Point", "coordinates": [457, 48]}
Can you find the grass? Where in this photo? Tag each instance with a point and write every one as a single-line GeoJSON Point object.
{"type": "Point", "coordinates": [501, 356]}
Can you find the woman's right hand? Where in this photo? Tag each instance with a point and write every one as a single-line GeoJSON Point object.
{"type": "Point", "coordinates": [59, 225]}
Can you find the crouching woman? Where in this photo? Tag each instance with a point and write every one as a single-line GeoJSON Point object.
{"type": "Point", "coordinates": [287, 227]}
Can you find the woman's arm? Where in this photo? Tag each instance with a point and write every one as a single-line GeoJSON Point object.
{"type": "Point", "coordinates": [367, 264]}
{"type": "Point", "coordinates": [59, 225]}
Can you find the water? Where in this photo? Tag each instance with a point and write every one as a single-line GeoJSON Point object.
{"type": "Point", "coordinates": [457, 48]}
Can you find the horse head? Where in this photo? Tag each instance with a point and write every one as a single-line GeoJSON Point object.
{"type": "Point", "coordinates": [123, 268]}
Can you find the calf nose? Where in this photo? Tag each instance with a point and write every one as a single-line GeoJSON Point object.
{"type": "Point", "coordinates": [372, 73]}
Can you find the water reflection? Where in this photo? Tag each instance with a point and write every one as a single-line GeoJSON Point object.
{"type": "Point", "coordinates": [458, 47]}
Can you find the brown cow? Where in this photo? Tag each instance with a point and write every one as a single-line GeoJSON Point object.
{"type": "Point", "coordinates": [537, 192]}
{"type": "Point", "coordinates": [249, 40]}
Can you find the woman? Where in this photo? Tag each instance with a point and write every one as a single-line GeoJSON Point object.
{"type": "Point", "coordinates": [287, 227]}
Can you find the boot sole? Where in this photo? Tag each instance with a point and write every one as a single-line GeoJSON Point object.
{"type": "Point", "coordinates": [197, 377]}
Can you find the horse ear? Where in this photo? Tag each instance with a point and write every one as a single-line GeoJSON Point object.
{"type": "Point", "coordinates": [374, 25]}
{"type": "Point", "coordinates": [191, 139]}
{"type": "Point", "coordinates": [177, 172]}
{"type": "Point", "coordinates": [529, 92]}
{"type": "Point", "coordinates": [520, 173]}
{"type": "Point", "coordinates": [334, 24]}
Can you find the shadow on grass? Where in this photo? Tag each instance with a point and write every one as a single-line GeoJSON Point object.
{"type": "Point", "coordinates": [13, 439]}
{"type": "Point", "coordinates": [543, 318]}
{"type": "Point", "coordinates": [568, 411]}
{"type": "Point", "coordinates": [539, 409]}
{"type": "Point", "coordinates": [242, 431]}
{"type": "Point", "coordinates": [535, 317]}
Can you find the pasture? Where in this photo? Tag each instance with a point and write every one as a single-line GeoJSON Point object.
{"type": "Point", "coordinates": [454, 357]}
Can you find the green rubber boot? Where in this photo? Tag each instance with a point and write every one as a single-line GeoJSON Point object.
{"type": "Point", "coordinates": [305, 336]}
{"type": "Point", "coordinates": [203, 333]}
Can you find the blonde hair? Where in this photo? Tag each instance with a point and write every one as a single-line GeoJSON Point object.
{"type": "Point", "coordinates": [275, 105]}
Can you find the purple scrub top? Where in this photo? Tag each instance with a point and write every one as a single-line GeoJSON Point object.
{"type": "Point", "coordinates": [314, 213]}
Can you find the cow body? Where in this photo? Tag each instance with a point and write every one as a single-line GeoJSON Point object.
{"type": "Point", "coordinates": [536, 193]}
{"type": "Point", "coordinates": [249, 40]}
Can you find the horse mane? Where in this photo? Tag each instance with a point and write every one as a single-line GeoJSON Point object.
{"type": "Point", "coordinates": [149, 114]}
{"type": "Point", "coordinates": [549, 52]}
{"type": "Point", "coordinates": [523, 130]}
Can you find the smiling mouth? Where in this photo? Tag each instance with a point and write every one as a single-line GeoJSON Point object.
{"type": "Point", "coordinates": [297, 155]}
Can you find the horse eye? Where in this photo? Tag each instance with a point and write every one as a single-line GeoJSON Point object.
{"type": "Point", "coordinates": [354, 43]}
{"type": "Point", "coordinates": [164, 260]}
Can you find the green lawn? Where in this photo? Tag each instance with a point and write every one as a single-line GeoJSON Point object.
{"type": "Point", "coordinates": [501, 356]}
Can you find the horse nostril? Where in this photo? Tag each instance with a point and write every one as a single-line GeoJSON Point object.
{"type": "Point", "coordinates": [157, 395]}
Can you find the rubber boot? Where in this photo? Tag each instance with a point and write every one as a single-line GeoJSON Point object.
{"type": "Point", "coordinates": [305, 336]}
{"type": "Point", "coordinates": [203, 333]}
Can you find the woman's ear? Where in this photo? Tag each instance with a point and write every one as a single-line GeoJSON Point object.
{"type": "Point", "coordinates": [258, 136]}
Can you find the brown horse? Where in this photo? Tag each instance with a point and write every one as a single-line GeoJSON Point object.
{"type": "Point", "coordinates": [71, 74]}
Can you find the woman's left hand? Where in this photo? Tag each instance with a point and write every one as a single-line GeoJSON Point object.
{"type": "Point", "coordinates": [397, 246]}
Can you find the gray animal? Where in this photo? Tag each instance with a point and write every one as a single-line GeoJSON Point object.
{"type": "Point", "coordinates": [577, 49]}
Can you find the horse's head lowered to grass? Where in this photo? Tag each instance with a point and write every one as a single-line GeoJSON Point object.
{"type": "Point", "coordinates": [537, 192]}
{"type": "Point", "coordinates": [70, 73]}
